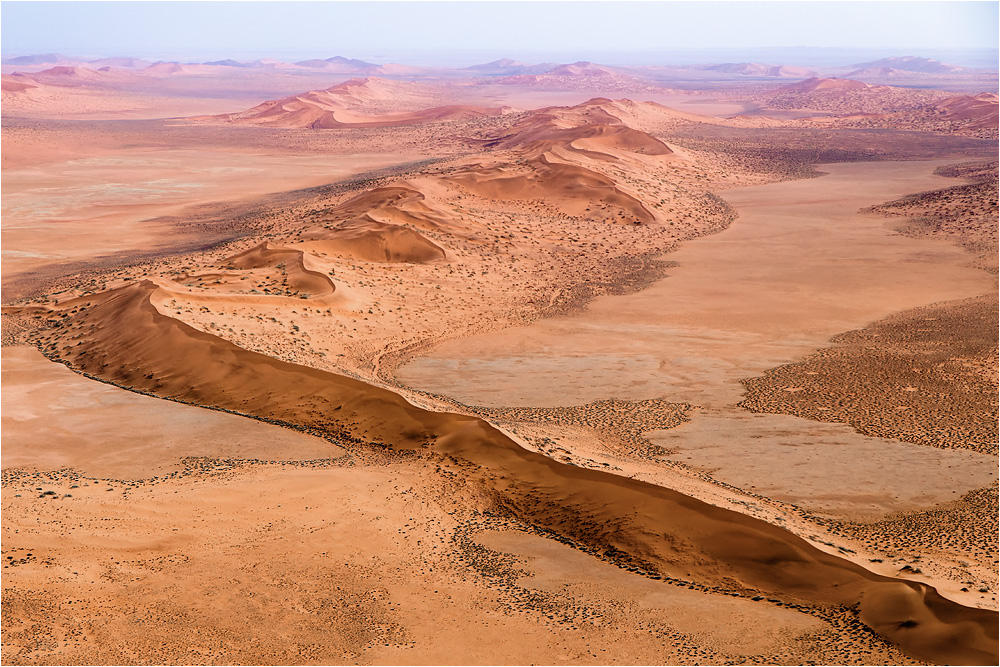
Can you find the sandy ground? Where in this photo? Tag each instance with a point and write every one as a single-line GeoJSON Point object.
{"type": "Point", "coordinates": [84, 208]}
{"type": "Point", "coordinates": [54, 418]}
{"type": "Point", "coordinates": [799, 266]}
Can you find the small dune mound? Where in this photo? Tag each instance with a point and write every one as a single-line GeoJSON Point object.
{"type": "Point", "coordinates": [573, 189]}
{"type": "Point", "coordinates": [63, 71]}
{"type": "Point", "coordinates": [290, 262]}
{"type": "Point", "coordinates": [11, 85]}
{"type": "Point", "coordinates": [165, 69]}
{"type": "Point", "coordinates": [70, 76]}
{"type": "Point", "coordinates": [371, 241]}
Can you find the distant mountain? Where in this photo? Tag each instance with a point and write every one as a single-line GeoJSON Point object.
{"type": "Point", "coordinates": [229, 62]}
{"type": "Point", "coordinates": [130, 63]}
{"type": "Point", "coordinates": [913, 64]}
{"type": "Point", "coordinates": [340, 65]}
{"type": "Point", "coordinates": [761, 70]}
{"type": "Point", "coordinates": [581, 68]}
{"type": "Point", "coordinates": [350, 62]}
{"type": "Point", "coordinates": [166, 69]}
{"type": "Point", "coordinates": [63, 72]}
{"type": "Point", "coordinates": [883, 73]}
{"type": "Point", "coordinates": [40, 59]}
{"type": "Point", "coordinates": [509, 67]}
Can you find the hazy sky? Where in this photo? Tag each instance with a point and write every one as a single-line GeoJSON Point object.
{"type": "Point", "coordinates": [440, 30]}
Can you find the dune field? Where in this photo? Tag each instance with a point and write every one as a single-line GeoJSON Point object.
{"type": "Point", "coordinates": [333, 362]}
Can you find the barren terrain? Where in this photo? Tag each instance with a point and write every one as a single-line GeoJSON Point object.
{"type": "Point", "coordinates": [399, 363]}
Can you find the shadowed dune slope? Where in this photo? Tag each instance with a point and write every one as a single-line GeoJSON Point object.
{"type": "Point", "coordinates": [122, 337]}
{"type": "Point", "coordinates": [291, 261]}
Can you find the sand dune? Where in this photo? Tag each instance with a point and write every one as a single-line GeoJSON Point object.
{"type": "Point", "coordinates": [63, 72]}
{"type": "Point", "coordinates": [369, 102]}
{"type": "Point", "coordinates": [572, 188]}
{"type": "Point", "coordinates": [16, 83]}
{"type": "Point", "coordinates": [292, 263]}
{"type": "Point", "coordinates": [980, 109]}
{"type": "Point", "coordinates": [372, 241]}
{"type": "Point", "coordinates": [399, 204]}
{"type": "Point", "coordinates": [592, 122]}
{"type": "Point", "coordinates": [303, 114]}
{"type": "Point", "coordinates": [123, 338]}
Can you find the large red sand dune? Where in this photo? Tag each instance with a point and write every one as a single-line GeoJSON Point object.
{"type": "Point", "coordinates": [981, 109]}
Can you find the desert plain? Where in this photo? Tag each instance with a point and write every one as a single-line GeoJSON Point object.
{"type": "Point", "coordinates": [333, 362]}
